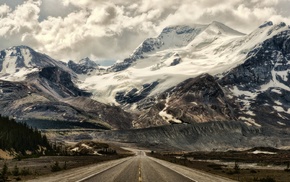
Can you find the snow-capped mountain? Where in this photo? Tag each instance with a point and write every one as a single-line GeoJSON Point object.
{"type": "Point", "coordinates": [34, 86]}
{"type": "Point", "coordinates": [84, 66]}
{"type": "Point", "coordinates": [245, 67]}
{"type": "Point", "coordinates": [169, 62]}
{"type": "Point", "coordinates": [19, 61]}
{"type": "Point", "coordinates": [187, 74]}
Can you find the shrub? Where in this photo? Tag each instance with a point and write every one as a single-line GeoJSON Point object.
{"type": "Point", "coordinates": [253, 171]}
{"type": "Point", "coordinates": [267, 179]}
{"type": "Point", "coordinates": [15, 171]}
{"type": "Point", "coordinates": [25, 172]}
{"type": "Point", "coordinates": [4, 172]}
{"type": "Point", "coordinates": [237, 168]}
{"type": "Point", "coordinates": [55, 167]}
{"type": "Point", "coordinates": [64, 166]}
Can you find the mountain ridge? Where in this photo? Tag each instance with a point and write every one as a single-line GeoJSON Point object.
{"type": "Point", "coordinates": [186, 75]}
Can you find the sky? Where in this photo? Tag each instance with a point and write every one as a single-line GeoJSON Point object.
{"type": "Point", "coordinates": [110, 30]}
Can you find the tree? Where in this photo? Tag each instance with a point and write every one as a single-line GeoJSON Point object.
{"type": "Point", "coordinates": [55, 167]}
{"type": "Point", "coordinates": [4, 172]}
{"type": "Point", "coordinates": [64, 166]}
{"type": "Point", "coordinates": [15, 171]}
{"type": "Point", "coordinates": [237, 168]}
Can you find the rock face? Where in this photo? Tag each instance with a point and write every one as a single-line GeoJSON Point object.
{"type": "Point", "coordinates": [266, 62]}
{"type": "Point", "coordinates": [261, 84]}
{"type": "Point", "coordinates": [195, 100]}
{"type": "Point", "coordinates": [85, 66]}
{"type": "Point", "coordinates": [135, 95]}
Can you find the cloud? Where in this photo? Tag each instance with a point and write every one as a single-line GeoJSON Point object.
{"type": "Point", "coordinates": [111, 30]}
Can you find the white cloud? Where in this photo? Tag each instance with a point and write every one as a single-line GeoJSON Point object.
{"type": "Point", "coordinates": [113, 29]}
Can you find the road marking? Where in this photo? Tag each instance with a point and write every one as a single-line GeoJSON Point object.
{"type": "Point", "coordinates": [88, 177]}
{"type": "Point", "coordinates": [140, 175]}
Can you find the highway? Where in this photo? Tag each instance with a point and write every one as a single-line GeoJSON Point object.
{"type": "Point", "coordinates": [139, 168]}
{"type": "Point", "coordinates": [142, 168]}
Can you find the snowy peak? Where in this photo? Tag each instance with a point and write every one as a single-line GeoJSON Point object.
{"type": "Point", "coordinates": [220, 28]}
{"type": "Point", "coordinates": [18, 61]}
{"type": "Point", "coordinates": [175, 37]}
{"type": "Point", "coordinates": [88, 62]}
{"type": "Point", "coordinates": [266, 24]}
{"type": "Point", "coordinates": [170, 37]}
{"type": "Point", "coordinates": [179, 36]}
{"type": "Point", "coordinates": [85, 66]}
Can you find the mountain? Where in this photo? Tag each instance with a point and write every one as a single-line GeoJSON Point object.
{"type": "Point", "coordinates": [186, 75]}
{"type": "Point", "coordinates": [178, 53]}
{"type": "Point", "coordinates": [261, 85]}
{"type": "Point", "coordinates": [34, 86]}
{"type": "Point", "coordinates": [202, 73]}
{"type": "Point", "coordinates": [85, 66]}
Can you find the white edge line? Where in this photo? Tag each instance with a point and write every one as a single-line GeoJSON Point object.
{"type": "Point", "coordinates": [92, 175]}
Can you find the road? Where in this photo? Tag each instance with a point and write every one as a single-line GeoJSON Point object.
{"type": "Point", "coordinates": [142, 168]}
{"type": "Point", "coordinates": [139, 168]}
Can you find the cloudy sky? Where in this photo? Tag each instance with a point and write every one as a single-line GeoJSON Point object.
{"type": "Point", "coordinates": [111, 29]}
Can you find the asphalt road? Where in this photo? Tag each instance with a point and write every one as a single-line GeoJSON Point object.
{"type": "Point", "coordinates": [142, 168]}
{"type": "Point", "coordinates": [139, 168]}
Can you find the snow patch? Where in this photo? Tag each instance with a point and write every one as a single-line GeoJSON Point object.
{"type": "Point", "coordinates": [264, 152]}
{"type": "Point", "coordinates": [86, 146]}
{"type": "Point", "coordinates": [75, 149]}
{"type": "Point", "coordinates": [280, 123]}
{"type": "Point", "coordinates": [250, 121]}
{"type": "Point", "coordinates": [279, 109]}
{"type": "Point", "coordinates": [168, 117]}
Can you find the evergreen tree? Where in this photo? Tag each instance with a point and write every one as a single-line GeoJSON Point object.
{"type": "Point", "coordinates": [20, 137]}
{"type": "Point", "coordinates": [4, 172]}
{"type": "Point", "coordinates": [15, 171]}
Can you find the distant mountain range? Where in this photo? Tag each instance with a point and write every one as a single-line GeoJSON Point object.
{"type": "Point", "coordinates": [188, 74]}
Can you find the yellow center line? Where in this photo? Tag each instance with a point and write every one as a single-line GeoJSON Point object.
{"type": "Point", "coordinates": [140, 176]}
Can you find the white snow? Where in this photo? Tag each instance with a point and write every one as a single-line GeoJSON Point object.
{"type": "Point", "coordinates": [280, 123]}
{"type": "Point", "coordinates": [263, 152]}
{"type": "Point", "coordinates": [168, 117]}
{"type": "Point", "coordinates": [75, 149]}
{"type": "Point", "coordinates": [251, 113]}
{"type": "Point", "coordinates": [86, 146]}
{"type": "Point", "coordinates": [274, 83]}
{"type": "Point", "coordinates": [279, 108]}
{"type": "Point", "coordinates": [283, 117]}
{"type": "Point", "coordinates": [278, 103]}
{"type": "Point", "coordinates": [249, 121]}
{"type": "Point", "coordinates": [277, 91]}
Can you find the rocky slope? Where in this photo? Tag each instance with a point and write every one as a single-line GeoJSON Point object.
{"type": "Point", "coordinates": [200, 136]}
{"type": "Point", "coordinates": [199, 99]}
